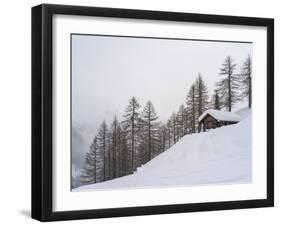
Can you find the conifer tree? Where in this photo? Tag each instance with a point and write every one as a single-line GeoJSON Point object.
{"type": "Point", "coordinates": [169, 132]}
{"type": "Point", "coordinates": [229, 84]}
{"type": "Point", "coordinates": [124, 155]}
{"type": "Point", "coordinates": [191, 107]}
{"type": "Point", "coordinates": [102, 146]}
{"type": "Point", "coordinates": [201, 95]}
{"type": "Point", "coordinates": [173, 121]}
{"type": "Point", "coordinates": [163, 137]}
{"type": "Point", "coordinates": [119, 150]}
{"type": "Point", "coordinates": [114, 148]}
{"type": "Point", "coordinates": [130, 124]}
{"type": "Point", "coordinates": [149, 129]}
{"type": "Point", "coordinates": [246, 80]}
{"type": "Point", "coordinates": [181, 122]}
{"type": "Point", "coordinates": [216, 101]}
{"type": "Point", "coordinates": [89, 171]}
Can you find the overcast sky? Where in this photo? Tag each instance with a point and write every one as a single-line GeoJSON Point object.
{"type": "Point", "coordinates": [108, 71]}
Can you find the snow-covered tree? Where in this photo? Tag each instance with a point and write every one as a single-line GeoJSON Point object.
{"type": "Point", "coordinates": [229, 84]}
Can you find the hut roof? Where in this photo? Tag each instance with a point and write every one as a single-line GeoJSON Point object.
{"type": "Point", "coordinates": [221, 115]}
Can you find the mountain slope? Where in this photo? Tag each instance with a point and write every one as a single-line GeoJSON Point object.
{"type": "Point", "coordinates": [221, 155]}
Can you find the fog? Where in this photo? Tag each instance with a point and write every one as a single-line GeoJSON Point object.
{"type": "Point", "coordinates": [108, 71]}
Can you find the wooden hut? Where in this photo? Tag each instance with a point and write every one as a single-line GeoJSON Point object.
{"type": "Point", "coordinates": [212, 119]}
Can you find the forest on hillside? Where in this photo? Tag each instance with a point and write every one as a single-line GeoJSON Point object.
{"type": "Point", "coordinates": [127, 143]}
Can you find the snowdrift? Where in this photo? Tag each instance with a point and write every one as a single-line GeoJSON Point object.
{"type": "Point", "coordinates": [219, 156]}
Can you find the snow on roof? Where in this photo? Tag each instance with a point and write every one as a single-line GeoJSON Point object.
{"type": "Point", "coordinates": [221, 115]}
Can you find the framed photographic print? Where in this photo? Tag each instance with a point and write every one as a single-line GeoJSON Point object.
{"type": "Point", "coordinates": [145, 112]}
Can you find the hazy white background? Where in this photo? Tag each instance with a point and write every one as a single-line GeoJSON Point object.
{"type": "Point", "coordinates": [15, 92]}
{"type": "Point", "coordinates": [108, 71]}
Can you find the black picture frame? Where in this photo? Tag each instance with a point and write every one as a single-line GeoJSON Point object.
{"type": "Point", "coordinates": [42, 107]}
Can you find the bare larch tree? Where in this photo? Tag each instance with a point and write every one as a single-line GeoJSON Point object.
{"type": "Point", "coordinates": [130, 125]}
{"type": "Point", "coordinates": [246, 80]}
{"type": "Point", "coordinates": [229, 84]}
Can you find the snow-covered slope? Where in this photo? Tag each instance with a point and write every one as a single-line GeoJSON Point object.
{"type": "Point", "coordinates": [221, 155]}
{"type": "Point", "coordinates": [243, 112]}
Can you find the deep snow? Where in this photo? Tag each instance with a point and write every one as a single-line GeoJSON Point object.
{"type": "Point", "coordinates": [220, 155]}
{"type": "Point", "coordinates": [243, 112]}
